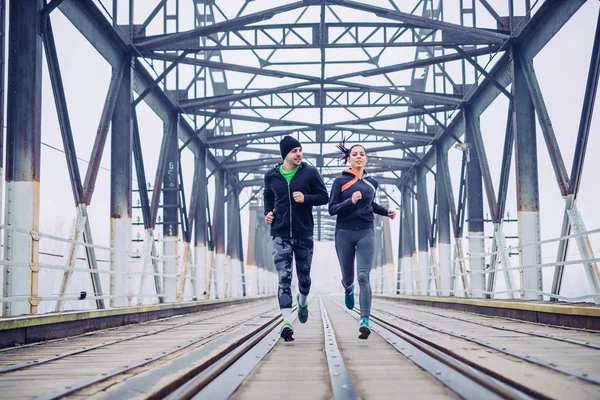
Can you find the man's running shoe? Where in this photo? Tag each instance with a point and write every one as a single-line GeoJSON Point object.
{"type": "Point", "coordinates": [302, 310]}
{"type": "Point", "coordinates": [364, 329]}
{"type": "Point", "coordinates": [287, 333]}
{"type": "Point", "coordinates": [349, 298]}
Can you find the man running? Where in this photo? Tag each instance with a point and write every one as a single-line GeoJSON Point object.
{"type": "Point", "coordinates": [291, 190]}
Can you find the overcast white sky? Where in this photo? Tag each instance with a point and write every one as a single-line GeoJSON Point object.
{"type": "Point", "coordinates": [561, 68]}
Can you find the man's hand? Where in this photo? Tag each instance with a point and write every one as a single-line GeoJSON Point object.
{"type": "Point", "coordinates": [356, 196]}
{"type": "Point", "coordinates": [298, 197]}
{"type": "Point", "coordinates": [392, 213]}
{"type": "Point", "coordinates": [269, 218]}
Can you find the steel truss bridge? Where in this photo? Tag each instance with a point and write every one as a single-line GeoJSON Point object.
{"type": "Point", "coordinates": [224, 81]}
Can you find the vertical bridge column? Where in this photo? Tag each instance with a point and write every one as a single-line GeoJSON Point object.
{"type": "Point", "coordinates": [251, 263]}
{"type": "Point", "coordinates": [200, 249]}
{"type": "Point", "coordinates": [219, 234]}
{"type": "Point", "coordinates": [234, 250]}
{"type": "Point", "coordinates": [423, 242]}
{"type": "Point", "coordinates": [170, 191]}
{"type": "Point", "coordinates": [407, 248]}
{"type": "Point", "coordinates": [120, 195]}
{"type": "Point", "coordinates": [475, 209]}
{"type": "Point", "coordinates": [23, 157]}
{"type": "Point", "coordinates": [443, 223]}
{"type": "Point", "coordinates": [388, 252]}
{"type": "Point", "coordinates": [528, 203]}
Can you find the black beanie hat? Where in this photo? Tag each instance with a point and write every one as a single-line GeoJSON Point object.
{"type": "Point", "coordinates": [287, 144]}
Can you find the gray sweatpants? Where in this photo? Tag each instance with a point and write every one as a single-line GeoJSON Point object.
{"type": "Point", "coordinates": [359, 244]}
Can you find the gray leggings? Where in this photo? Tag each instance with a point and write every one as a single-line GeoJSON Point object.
{"type": "Point", "coordinates": [359, 244]}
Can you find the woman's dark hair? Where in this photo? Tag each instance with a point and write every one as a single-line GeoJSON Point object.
{"type": "Point", "coordinates": [344, 152]}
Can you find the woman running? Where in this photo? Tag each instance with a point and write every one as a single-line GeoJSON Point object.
{"type": "Point", "coordinates": [353, 201]}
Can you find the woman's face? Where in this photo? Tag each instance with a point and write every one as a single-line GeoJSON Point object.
{"type": "Point", "coordinates": [358, 157]}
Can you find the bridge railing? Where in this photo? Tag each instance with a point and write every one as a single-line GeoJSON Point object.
{"type": "Point", "coordinates": [57, 286]}
{"type": "Point", "coordinates": [508, 282]}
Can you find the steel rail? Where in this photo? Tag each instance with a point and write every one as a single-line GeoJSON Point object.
{"type": "Point", "coordinates": [41, 361]}
{"type": "Point", "coordinates": [525, 357]}
{"type": "Point", "coordinates": [465, 380]}
{"type": "Point", "coordinates": [224, 385]}
{"type": "Point", "coordinates": [341, 383]}
{"type": "Point", "coordinates": [88, 382]}
{"type": "Point", "coordinates": [502, 328]}
{"type": "Point", "coordinates": [224, 360]}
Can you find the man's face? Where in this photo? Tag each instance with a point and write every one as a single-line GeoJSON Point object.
{"type": "Point", "coordinates": [295, 156]}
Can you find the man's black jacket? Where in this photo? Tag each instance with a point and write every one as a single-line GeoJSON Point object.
{"type": "Point", "coordinates": [277, 197]}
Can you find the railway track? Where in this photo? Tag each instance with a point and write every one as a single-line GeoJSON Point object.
{"type": "Point", "coordinates": [236, 353]}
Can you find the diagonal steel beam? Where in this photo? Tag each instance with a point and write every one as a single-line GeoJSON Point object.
{"type": "Point", "coordinates": [208, 102]}
{"type": "Point", "coordinates": [102, 132]}
{"type": "Point", "coordinates": [150, 43]}
{"type": "Point", "coordinates": [426, 23]}
{"type": "Point", "coordinates": [589, 100]}
{"type": "Point", "coordinates": [417, 63]}
{"type": "Point", "coordinates": [81, 227]}
{"type": "Point", "coordinates": [397, 115]}
{"type": "Point", "coordinates": [159, 78]}
{"type": "Point", "coordinates": [439, 98]}
{"type": "Point", "coordinates": [270, 121]}
{"type": "Point", "coordinates": [560, 171]}
{"type": "Point", "coordinates": [492, 12]}
{"type": "Point", "coordinates": [153, 14]}
{"type": "Point", "coordinates": [245, 138]}
{"type": "Point", "coordinates": [482, 70]}
{"type": "Point", "coordinates": [169, 135]}
{"type": "Point", "coordinates": [63, 113]}
{"type": "Point", "coordinates": [551, 16]}
{"type": "Point", "coordinates": [473, 121]}
{"type": "Point", "coordinates": [93, 25]}
{"type": "Point", "coordinates": [585, 122]}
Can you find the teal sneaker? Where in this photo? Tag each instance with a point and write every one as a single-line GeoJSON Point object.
{"type": "Point", "coordinates": [287, 333]}
{"type": "Point", "coordinates": [302, 310]}
{"type": "Point", "coordinates": [349, 298]}
{"type": "Point", "coordinates": [364, 329]}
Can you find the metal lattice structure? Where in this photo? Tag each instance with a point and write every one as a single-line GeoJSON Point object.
{"type": "Point", "coordinates": [228, 79]}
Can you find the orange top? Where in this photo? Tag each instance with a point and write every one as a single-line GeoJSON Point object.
{"type": "Point", "coordinates": [352, 182]}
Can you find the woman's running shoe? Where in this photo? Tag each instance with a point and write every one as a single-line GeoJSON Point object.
{"type": "Point", "coordinates": [349, 298]}
{"type": "Point", "coordinates": [364, 329]}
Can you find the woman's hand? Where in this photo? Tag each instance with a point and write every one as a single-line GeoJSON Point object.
{"type": "Point", "coordinates": [392, 213]}
{"type": "Point", "coordinates": [356, 196]}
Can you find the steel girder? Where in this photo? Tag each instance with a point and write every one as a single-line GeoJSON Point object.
{"type": "Point", "coordinates": [342, 91]}
{"type": "Point", "coordinates": [340, 35]}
